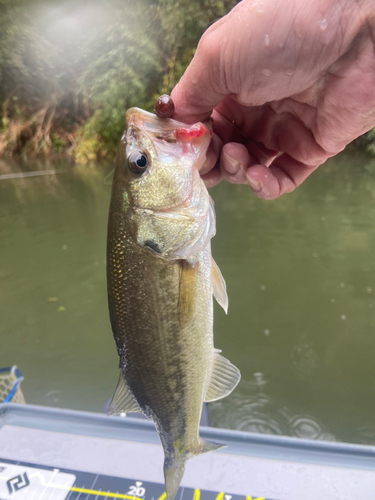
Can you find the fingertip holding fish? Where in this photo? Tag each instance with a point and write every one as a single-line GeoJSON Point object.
{"type": "Point", "coordinates": [255, 185]}
{"type": "Point", "coordinates": [230, 164]}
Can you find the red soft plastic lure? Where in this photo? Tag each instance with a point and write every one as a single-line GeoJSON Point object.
{"type": "Point", "coordinates": [188, 134]}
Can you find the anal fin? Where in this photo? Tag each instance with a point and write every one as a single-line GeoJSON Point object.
{"type": "Point", "coordinates": [219, 288]}
{"type": "Point", "coordinates": [123, 401]}
{"type": "Point", "coordinates": [224, 378]}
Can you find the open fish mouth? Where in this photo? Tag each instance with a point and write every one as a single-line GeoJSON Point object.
{"type": "Point", "coordinates": [168, 130]}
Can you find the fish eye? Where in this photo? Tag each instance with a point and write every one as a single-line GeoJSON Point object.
{"type": "Point", "coordinates": [138, 162]}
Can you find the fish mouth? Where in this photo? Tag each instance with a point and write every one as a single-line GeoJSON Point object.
{"type": "Point", "coordinates": [143, 119]}
{"type": "Point", "coordinates": [166, 129]}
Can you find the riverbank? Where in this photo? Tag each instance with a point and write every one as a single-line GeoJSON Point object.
{"type": "Point", "coordinates": [70, 69]}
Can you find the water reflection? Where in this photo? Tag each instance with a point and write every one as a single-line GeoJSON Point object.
{"type": "Point", "coordinates": [300, 273]}
{"type": "Point", "coordinates": [253, 410]}
{"type": "Point", "coordinates": [304, 359]}
{"type": "Point", "coordinates": [25, 182]}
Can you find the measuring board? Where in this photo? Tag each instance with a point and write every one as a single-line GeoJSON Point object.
{"type": "Point", "coordinates": [66, 454]}
{"type": "Point", "coordinates": [24, 481]}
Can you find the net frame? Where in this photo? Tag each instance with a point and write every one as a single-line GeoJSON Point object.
{"type": "Point", "coordinates": [10, 385]}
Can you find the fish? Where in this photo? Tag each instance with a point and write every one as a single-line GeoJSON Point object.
{"type": "Point", "coordinates": [161, 281]}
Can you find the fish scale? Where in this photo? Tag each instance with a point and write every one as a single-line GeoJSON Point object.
{"type": "Point", "coordinates": [161, 280]}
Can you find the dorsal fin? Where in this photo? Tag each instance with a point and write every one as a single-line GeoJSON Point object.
{"type": "Point", "coordinates": [123, 401]}
{"type": "Point", "coordinates": [219, 288]}
{"type": "Point", "coordinates": [224, 378]}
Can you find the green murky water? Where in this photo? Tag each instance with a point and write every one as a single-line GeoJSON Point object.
{"type": "Point", "coordinates": [301, 278]}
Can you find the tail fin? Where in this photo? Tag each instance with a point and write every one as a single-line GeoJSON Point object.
{"type": "Point", "coordinates": [173, 472]}
{"type": "Point", "coordinates": [206, 446]}
{"type": "Point", "coordinates": [172, 477]}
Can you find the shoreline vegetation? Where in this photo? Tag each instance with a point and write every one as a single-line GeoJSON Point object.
{"type": "Point", "coordinates": [69, 70]}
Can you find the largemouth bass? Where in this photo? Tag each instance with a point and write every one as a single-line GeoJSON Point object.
{"type": "Point", "coordinates": [161, 280]}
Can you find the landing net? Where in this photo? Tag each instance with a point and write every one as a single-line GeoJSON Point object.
{"type": "Point", "coordinates": [10, 385]}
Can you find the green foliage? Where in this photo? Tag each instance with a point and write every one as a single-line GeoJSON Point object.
{"type": "Point", "coordinates": [119, 66]}
{"type": "Point", "coordinates": [370, 140]}
{"type": "Point", "coordinates": [58, 144]}
{"type": "Point", "coordinates": [181, 25]}
{"type": "Point", "coordinates": [69, 69]}
{"type": "Point", "coordinates": [366, 142]}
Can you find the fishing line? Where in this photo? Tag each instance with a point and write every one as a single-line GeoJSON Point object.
{"type": "Point", "coordinates": [106, 181]}
{"type": "Point", "coordinates": [20, 175]}
{"type": "Point", "coordinates": [254, 147]}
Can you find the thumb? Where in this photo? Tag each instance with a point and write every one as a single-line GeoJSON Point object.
{"type": "Point", "coordinates": [200, 88]}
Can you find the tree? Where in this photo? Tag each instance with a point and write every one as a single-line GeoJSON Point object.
{"type": "Point", "coordinates": [69, 70]}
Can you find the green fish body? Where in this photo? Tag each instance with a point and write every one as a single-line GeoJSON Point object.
{"type": "Point", "coordinates": [161, 280]}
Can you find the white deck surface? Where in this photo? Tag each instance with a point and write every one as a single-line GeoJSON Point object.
{"type": "Point", "coordinates": [218, 471]}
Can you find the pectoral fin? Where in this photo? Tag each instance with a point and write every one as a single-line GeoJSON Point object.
{"type": "Point", "coordinates": [186, 296]}
{"type": "Point", "coordinates": [123, 401]}
{"type": "Point", "coordinates": [224, 378]}
{"type": "Point", "coordinates": [219, 288]}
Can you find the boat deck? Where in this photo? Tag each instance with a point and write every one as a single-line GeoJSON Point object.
{"type": "Point", "coordinates": [52, 454]}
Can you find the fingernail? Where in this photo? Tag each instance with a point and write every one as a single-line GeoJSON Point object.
{"type": "Point", "coordinates": [254, 184]}
{"type": "Point", "coordinates": [232, 166]}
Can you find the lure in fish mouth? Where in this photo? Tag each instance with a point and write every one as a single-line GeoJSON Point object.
{"type": "Point", "coordinates": [161, 280]}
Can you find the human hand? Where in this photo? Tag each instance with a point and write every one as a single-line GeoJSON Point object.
{"type": "Point", "coordinates": [293, 78]}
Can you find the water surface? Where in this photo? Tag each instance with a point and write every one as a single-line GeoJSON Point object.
{"type": "Point", "coordinates": [300, 273]}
